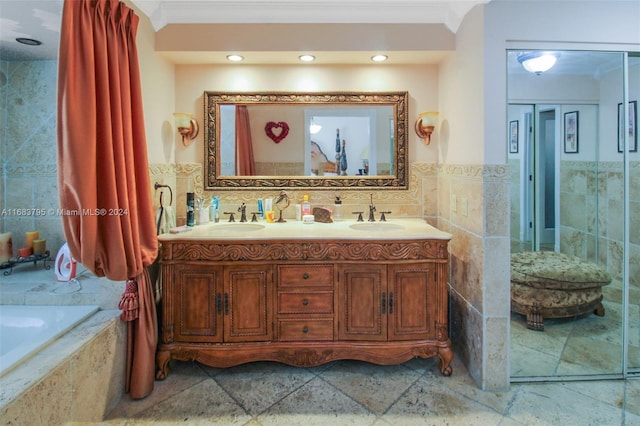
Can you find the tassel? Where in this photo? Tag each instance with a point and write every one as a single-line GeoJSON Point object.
{"type": "Point", "coordinates": [129, 301]}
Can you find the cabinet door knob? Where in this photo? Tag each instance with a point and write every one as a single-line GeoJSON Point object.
{"type": "Point", "coordinates": [305, 302]}
{"type": "Point", "coordinates": [305, 276]}
{"type": "Point", "coordinates": [305, 329]}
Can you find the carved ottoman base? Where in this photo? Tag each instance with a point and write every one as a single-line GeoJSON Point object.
{"type": "Point", "coordinates": [555, 285]}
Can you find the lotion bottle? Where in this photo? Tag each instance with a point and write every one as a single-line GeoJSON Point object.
{"type": "Point", "coordinates": [305, 206]}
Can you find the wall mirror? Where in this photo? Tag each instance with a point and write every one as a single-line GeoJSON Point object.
{"type": "Point", "coordinates": [570, 190]}
{"type": "Point", "coordinates": [306, 140]}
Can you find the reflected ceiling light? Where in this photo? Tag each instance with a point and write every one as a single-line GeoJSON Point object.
{"type": "Point", "coordinates": [29, 41]}
{"type": "Point", "coordinates": [307, 58]}
{"type": "Point", "coordinates": [187, 126]}
{"type": "Point", "coordinates": [379, 58]}
{"type": "Point", "coordinates": [537, 62]}
{"type": "Point", "coordinates": [425, 125]}
{"type": "Point", "coordinates": [314, 127]}
{"type": "Point", "coordinates": [235, 58]}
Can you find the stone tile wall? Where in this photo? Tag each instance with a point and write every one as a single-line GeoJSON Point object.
{"type": "Point", "coordinates": [28, 150]}
{"type": "Point", "coordinates": [473, 205]}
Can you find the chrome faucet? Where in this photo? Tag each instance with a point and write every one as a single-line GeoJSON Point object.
{"type": "Point", "coordinates": [372, 210]}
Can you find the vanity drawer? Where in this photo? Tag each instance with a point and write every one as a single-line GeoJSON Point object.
{"type": "Point", "coordinates": [317, 302]}
{"type": "Point", "coordinates": [305, 275]}
{"type": "Point", "coordinates": [313, 329]}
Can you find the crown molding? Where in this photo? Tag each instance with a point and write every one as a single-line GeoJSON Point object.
{"type": "Point", "coordinates": [447, 12]}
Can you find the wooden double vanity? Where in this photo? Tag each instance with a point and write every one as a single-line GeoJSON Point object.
{"type": "Point", "coordinates": [304, 294]}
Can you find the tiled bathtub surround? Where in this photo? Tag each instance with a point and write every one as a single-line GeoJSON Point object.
{"type": "Point", "coordinates": [79, 378]}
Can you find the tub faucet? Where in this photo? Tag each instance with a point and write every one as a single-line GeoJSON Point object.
{"type": "Point", "coordinates": [372, 210]}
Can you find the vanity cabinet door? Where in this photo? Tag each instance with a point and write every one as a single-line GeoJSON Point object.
{"type": "Point", "coordinates": [194, 292]}
{"type": "Point", "coordinates": [411, 303]}
{"type": "Point", "coordinates": [362, 293]}
{"type": "Point", "coordinates": [248, 303]}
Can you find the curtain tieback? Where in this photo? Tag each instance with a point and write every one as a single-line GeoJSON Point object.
{"type": "Point", "coordinates": [129, 301]}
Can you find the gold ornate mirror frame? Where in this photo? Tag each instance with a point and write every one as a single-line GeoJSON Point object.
{"type": "Point", "coordinates": [214, 181]}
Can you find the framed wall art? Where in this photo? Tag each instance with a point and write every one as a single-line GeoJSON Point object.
{"type": "Point", "coordinates": [571, 132]}
{"type": "Point", "coordinates": [513, 137]}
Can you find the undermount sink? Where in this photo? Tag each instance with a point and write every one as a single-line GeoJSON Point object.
{"type": "Point", "coordinates": [376, 227]}
{"type": "Point", "coordinates": [237, 227]}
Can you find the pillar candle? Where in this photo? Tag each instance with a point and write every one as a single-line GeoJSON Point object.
{"type": "Point", "coordinates": [25, 252]}
{"type": "Point", "coordinates": [6, 247]}
{"type": "Point", "coordinates": [30, 236]}
{"type": "Point", "coordinates": [39, 246]}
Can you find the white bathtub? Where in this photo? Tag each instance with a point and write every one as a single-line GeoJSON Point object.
{"type": "Point", "coordinates": [26, 329]}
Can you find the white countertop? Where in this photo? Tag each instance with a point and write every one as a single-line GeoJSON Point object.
{"type": "Point", "coordinates": [392, 229]}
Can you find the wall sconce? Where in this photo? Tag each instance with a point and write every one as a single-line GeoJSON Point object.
{"type": "Point", "coordinates": [425, 125]}
{"type": "Point", "coordinates": [537, 62]}
{"type": "Point", "coordinates": [187, 127]}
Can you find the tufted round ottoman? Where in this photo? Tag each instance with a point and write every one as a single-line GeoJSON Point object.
{"type": "Point", "coordinates": [547, 284]}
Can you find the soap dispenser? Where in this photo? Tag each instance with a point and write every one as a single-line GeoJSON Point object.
{"type": "Point", "coordinates": [337, 207]}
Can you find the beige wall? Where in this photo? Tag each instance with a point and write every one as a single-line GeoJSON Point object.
{"type": "Point", "coordinates": [421, 81]}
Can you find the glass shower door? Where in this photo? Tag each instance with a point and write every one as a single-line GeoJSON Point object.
{"type": "Point", "coordinates": [633, 309]}
{"type": "Point", "coordinates": [578, 100]}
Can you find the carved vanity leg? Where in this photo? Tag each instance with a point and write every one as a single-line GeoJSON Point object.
{"type": "Point", "coordinates": [599, 310]}
{"type": "Point", "coordinates": [534, 319]}
{"type": "Point", "coordinates": [162, 364]}
{"type": "Point", "coordinates": [446, 356]}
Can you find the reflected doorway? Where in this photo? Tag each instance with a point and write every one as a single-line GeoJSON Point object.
{"type": "Point", "coordinates": [545, 182]}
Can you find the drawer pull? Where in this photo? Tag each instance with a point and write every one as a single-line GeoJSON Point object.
{"type": "Point", "coordinates": [305, 276]}
{"type": "Point", "coordinates": [305, 302]}
{"type": "Point", "coordinates": [305, 329]}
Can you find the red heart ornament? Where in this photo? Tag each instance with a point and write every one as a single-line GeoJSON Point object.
{"type": "Point", "coordinates": [281, 134]}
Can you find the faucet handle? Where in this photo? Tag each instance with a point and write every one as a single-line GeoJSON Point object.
{"type": "Point", "coordinates": [231, 218]}
{"type": "Point", "coordinates": [254, 217]}
{"type": "Point", "coordinates": [383, 218]}
{"type": "Point", "coordinates": [360, 219]}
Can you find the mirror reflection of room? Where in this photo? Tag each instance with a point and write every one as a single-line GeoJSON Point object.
{"type": "Point", "coordinates": [567, 208]}
{"type": "Point", "coordinates": [294, 140]}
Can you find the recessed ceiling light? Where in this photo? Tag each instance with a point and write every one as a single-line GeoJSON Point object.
{"type": "Point", "coordinates": [235, 58]}
{"type": "Point", "coordinates": [307, 58]}
{"type": "Point", "coordinates": [379, 58]}
{"type": "Point", "coordinates": [29, 41]}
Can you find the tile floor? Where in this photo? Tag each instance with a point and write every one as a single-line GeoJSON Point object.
{"type": "Point", "coordinates": [358, 393]}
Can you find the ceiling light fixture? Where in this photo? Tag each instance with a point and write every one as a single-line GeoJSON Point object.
{"type": "Point", "coordinates": [379, 58]}
{"type": "Point", "coordinates": [29, 41]}
{"type": "Point", "coordinates": [538, 62]}
{"type": "Point", "coordinates": [235, 58]}
{"type": "Point", "coordinates": [307, 58]}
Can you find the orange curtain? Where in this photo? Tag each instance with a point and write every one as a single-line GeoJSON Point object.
{"type": "Point", "coordinates": [103, 176]}
{"type": "Point", "coordinates": [245, 164]}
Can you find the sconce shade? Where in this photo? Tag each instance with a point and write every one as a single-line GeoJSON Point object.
{"type": "Point", "coordinates": [537, 62]}
{"type": "Point", "coordinates": [426, 124]}
{"type": "Point", "coordinates": [187, 126]}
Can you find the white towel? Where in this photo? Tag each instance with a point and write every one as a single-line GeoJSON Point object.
{"type": "Point", "coordinates": [167, 219]}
